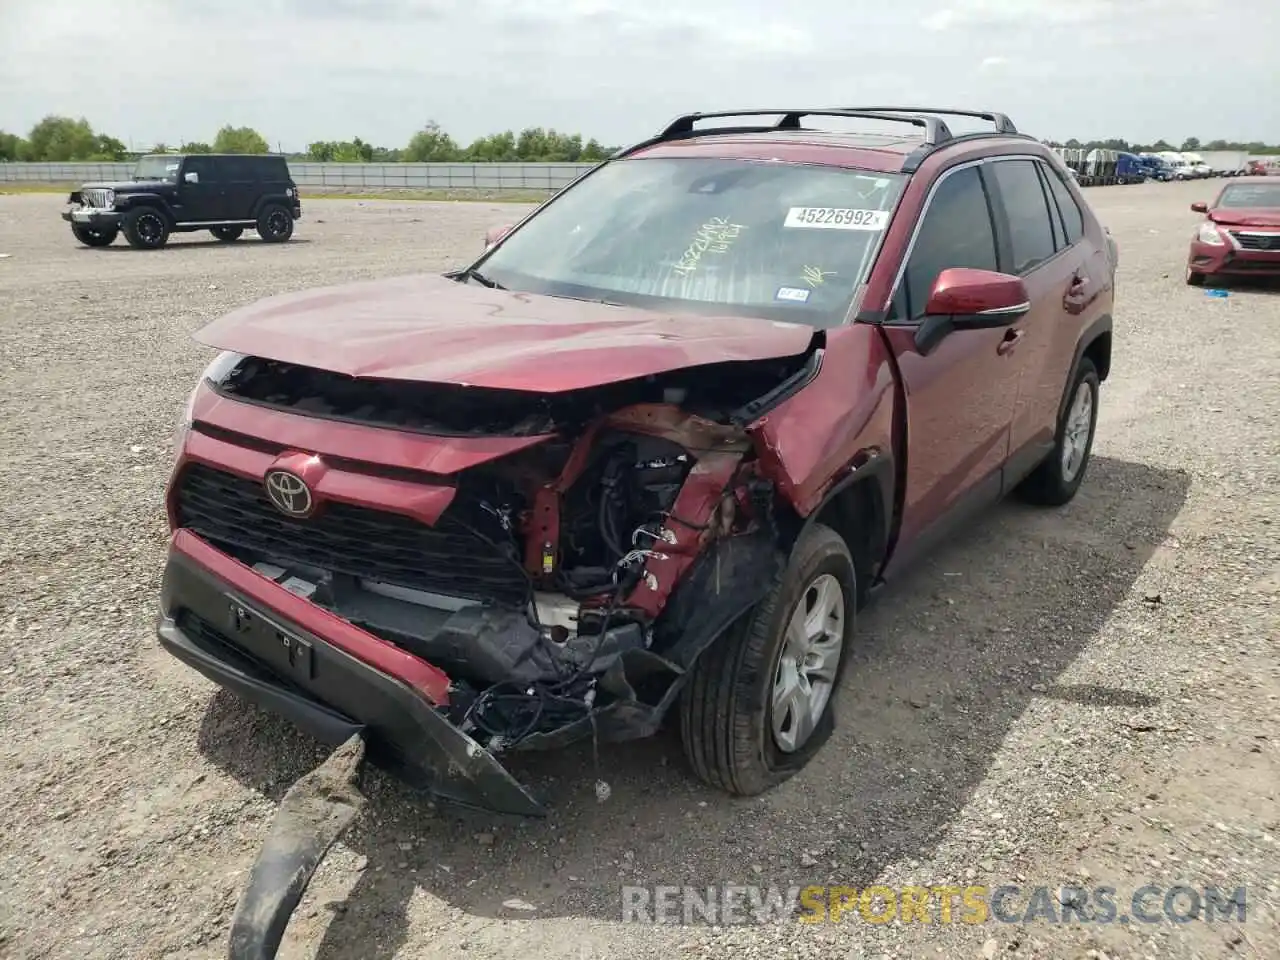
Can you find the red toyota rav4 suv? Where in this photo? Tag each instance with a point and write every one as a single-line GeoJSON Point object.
{"type": "Point", "coordinates": [648, 455]}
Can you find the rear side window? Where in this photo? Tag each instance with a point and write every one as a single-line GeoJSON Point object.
{"type": "Point", "coordinates": [1030, 233]}
{"type": "Point", "coordinates": [1072, 218]}
{"type": "Point", "coordinates": [956, 232]}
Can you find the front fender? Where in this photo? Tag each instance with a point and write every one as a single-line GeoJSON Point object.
{"type": "Point", "coordinates": [838, 422]}
{"type": "Point", "coordinates": [132, 201]}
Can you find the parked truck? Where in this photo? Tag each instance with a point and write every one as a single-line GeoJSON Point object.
{"type": "Point", "coordinates": [1227, 163]}
{"type": "Point", "coordinates": [1156, 167]}
{"type": "Point", "coordinates": [1130, 168]}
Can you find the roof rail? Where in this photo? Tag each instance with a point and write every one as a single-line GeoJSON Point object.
{"type": "Point", "coordinates": [1001, 121]}
{"type": "Point", "coordinates": [935, 130]}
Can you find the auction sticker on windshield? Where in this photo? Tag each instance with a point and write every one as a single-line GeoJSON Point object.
{"type": "Point", "coordinates": [836, 218]}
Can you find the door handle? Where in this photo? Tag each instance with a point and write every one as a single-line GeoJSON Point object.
{"type": "Point", "coordinates": [1077, 295]}
{"type": "Point", "coordinates": [1010, 341]}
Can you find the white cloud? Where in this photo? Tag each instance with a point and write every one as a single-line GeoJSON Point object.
{"type": "Point", "coordinates": [302, 70]}
{"type": "Point", "coordinates": [1043, 12]}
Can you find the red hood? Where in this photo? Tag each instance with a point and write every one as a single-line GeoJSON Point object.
{"type": "Point", "coordinates": [430, 328]}
{"type": "Point", "coordinates": [1246, 216]}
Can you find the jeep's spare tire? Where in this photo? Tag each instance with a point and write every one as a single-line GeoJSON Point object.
{"type": "Point", "coordinates": [275, 223]}
{"type": "Point", "coordinates": [146, 228]}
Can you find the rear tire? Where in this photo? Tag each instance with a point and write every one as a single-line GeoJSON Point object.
{"type": "Point", "coordinates": [275, 223]}
{"type": "Point", "coordinates": [757, 705]}
{"type": "Point", "coordinates": [93, 236]}
{"type": "Point", "coordinates": [227, 234]}
{"type": "Point", "coordinates": [1059, 476]}
{"type": "Point", "coordinates": [146, 228]}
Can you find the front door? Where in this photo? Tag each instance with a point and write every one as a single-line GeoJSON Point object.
{"type": "Point", "coordinates": [960, 396]}
{"type": "Point", "coordinates": [201, 198]}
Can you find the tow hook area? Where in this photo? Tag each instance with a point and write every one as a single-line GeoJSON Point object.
{"type": "Point", "coordinates": [314, 813]}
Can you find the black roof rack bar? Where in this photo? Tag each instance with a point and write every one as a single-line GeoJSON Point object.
{"type": "Point", "coordinates": [1001, 121]}
{"type": "Point", "coordinates": [935, 131]}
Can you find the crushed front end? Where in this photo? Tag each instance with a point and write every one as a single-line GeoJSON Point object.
{"type": "Point", "coordinates": [459, 573]}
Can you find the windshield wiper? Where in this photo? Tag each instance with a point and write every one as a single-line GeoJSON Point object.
{"type": "Point", "coordinates": [481, 279]}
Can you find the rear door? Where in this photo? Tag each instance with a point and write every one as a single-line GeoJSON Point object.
{"type": "Point", "coordinates": [1048, 250]}
{"type": "Point", "coordinates": [960, 396]}
{"type": "Point", "coordinates": [244, 184]}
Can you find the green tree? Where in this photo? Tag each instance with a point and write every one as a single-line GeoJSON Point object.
{"type": "Point", "coordinates": [431, 145]}
{"type": "Point", "coordinates": [1191, 143]}
{"type": "Point", "coordinates": [12, 147]}
{"type": "Point", "coordinates": [495, 148]}
{"type": "Point", "coordinates": [593, 152]}
{"type": "Point", "coordinates": [239, 140]}
{"type": "Point", "coordinates": [195, 146]}
{"type": "Point", "coordinates": [321, 151]}
{"type": "Point", "coordinates": [109, 148]}
{"type": "Point", "coordinates": [61, 139]}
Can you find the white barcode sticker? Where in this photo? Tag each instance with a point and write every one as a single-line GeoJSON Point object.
{"type": "Point", "coordinates": [836, 218]}
{"type": "Point", "coordinates": [794, 294]}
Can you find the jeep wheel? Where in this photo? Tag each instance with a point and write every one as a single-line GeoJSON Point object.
{"type": "Point", "coordinates": [146, 228]}
{"type": "Point", "coordinates": [757, 705]}
{"type": "Point", "coordinates": [275, 223]}
{"type": "Point", "coordinates": [1057, 479]}
{"type": "Point", "coordinates": [93, 237]}
{"type": "Point", "coordinates": [227, 234]}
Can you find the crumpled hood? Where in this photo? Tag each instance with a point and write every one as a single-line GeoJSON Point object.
{"type": "Point", "coordinates": [1246, 216]}
{"type": "Point", "coordinates": [432, 329]}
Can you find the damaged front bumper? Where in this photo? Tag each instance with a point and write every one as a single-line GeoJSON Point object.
{"type": "Point", "coordinates": [252, 636]}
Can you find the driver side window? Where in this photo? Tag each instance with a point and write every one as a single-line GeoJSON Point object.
{"type": "Point", "coordinates": [199, 166]}
{"type": "Point", "coordinates": [956, 232]}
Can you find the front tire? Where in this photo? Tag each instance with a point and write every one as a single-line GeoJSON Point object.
{"type": "Point", "coordinates": [146, 228]}
{"type": "Point", "coordinates": [275, 223]}
{"type": "Point", "coordinates": [227, 234]}
{"type": "Point", "coordinates": [94, 237]}
{"type": "Point", "coordinates": [758, 703]}
{"type": "Point", "coordinates": [1057, 479]}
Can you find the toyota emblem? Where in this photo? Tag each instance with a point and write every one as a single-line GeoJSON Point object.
{"type": "Point", "coordinates": [288, 493]}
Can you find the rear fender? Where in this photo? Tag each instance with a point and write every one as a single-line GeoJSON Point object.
{"type": "Point", "coordinates": [277, 198]}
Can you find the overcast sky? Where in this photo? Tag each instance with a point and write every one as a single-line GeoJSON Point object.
{"type": "Point", "coordinates": [304, 70]}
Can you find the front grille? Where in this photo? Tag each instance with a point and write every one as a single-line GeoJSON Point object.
{"type": "Point", "coordinates": [1256, 241]}
{"type": "Point", "coordinates": [448, 558]}
{"type": "Point", "coordinates": [95, 197]}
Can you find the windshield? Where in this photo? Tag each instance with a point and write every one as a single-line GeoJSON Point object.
{"type": "Point", "coordinates": [1251, 195]}
{"type": "Point", "coordinates": [765, 239]}
{"type": "Point", "coordinates": [157, 168]}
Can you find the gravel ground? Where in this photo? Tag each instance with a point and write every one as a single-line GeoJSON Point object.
{"type": "Point", "coordinates": [1084, 695]}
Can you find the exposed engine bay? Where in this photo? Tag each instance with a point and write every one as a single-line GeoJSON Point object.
{"type": "Point", "coordinates": [542, 591]}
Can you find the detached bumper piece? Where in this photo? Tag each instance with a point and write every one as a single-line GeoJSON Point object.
{"type": "Point", "coordinates": [224, 620]}
{"type": "Point", "coordinates": [313, 815]}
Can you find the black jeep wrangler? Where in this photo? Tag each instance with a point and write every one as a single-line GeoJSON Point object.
{"type": "Point", "coordinates": [221, 193]}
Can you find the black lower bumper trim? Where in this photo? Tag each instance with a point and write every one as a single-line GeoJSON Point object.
{"type": "Point", "coordinates": [288, 670]}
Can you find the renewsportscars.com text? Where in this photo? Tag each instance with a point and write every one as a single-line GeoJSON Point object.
{"type": "Point", "coordinates": [732, 904]}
